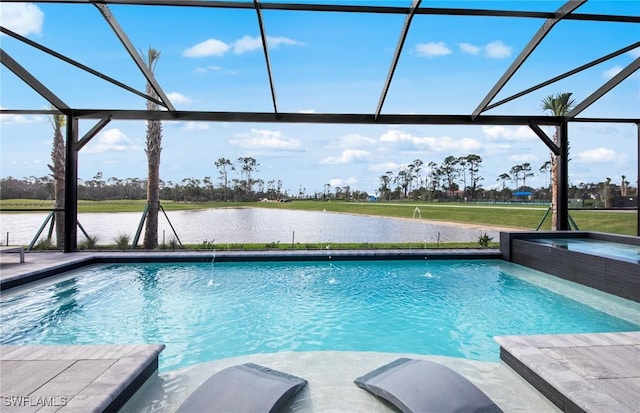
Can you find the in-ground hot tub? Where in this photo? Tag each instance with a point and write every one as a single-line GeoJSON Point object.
{"type": "Point", "coordinates": [607, 262]}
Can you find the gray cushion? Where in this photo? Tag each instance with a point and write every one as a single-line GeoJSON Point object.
{"type": "Point", "coordinates": [244, 388]}
{"type": "Point", "coordinates": [424, 386]}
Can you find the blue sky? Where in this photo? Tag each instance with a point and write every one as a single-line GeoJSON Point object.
{"type": "Point", "coordinates": [211, 59]}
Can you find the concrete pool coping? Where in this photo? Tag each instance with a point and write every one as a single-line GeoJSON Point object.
{"type": "Point", "coordinates": [44, 264]}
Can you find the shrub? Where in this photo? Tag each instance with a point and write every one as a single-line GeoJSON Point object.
{"type": "Point", "coordinates": [174, 244]}
{"type": "Point", "coordinates": [89, 243]}
{"type": "Point", "coordinates": [122, 241]}
{"type": "Point", "coordinates": [43, 244]}
{"type": "Point", "coordinates": [207, 245]}
{"type": "Point", "coordinates": [484, 240]}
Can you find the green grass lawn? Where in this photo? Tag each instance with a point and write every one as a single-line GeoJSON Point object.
{"type": "Point", "coordinates": [522, 217]}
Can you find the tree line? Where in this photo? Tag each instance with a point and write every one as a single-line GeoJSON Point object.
{"type": "Point", "coordinates": [456, 179]}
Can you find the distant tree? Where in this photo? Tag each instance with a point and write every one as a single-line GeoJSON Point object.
{"type": "Point", "coordinates": [462, 163]}
{"type": "Point", "coordinates": [545, 168]}
{"type": "Point", "coordinates": [449, 171]}
{"type": "Point", "coordinates": [434, 177]}
{"type": "Point", "coordinates": [99, 183]}
{"type": "Point", "coordinates": [623, 186]}
{"type": "Point", "coordinates": [403, 179]}
{"type": "Point", "coordinates": [473, 163]}
{"type": "Point", "coordinates": [504, 178]}
{"type": "Point", "coordinates": [415, 168]}
{"type": "Point", "coordinates": [526, 173]}
{"type": "Point", "coordinates": [514, 173]}
{"type": "Point", "coordinates": [385, 181]}
{"type": "Point", "coordinates": [248, 165]}
{"type": "Point", "coordinates": [606, 193]}
{"type": "Point", "coordinates": [224, 165]}
{"type": "Point", "coordinates": [558, 105]}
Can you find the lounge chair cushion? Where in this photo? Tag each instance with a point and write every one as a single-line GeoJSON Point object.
{"type": "Point", "coordinates": [424, 386]}
{"type": "Point", "coordinates": [243, 388]}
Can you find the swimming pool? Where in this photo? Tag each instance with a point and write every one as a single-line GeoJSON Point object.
{"type": "Point", "coordinates": [209, 311]}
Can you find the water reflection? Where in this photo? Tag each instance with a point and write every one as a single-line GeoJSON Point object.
{"type": "Point", "coordinates": [257, 225]}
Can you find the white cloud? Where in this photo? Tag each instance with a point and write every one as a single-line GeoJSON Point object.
{"type": "Point", "coordinates": [523, 157]}
{"type": "Point", "coordinates": [432, 49]}
{"type": "Point", "coordinates": [307, 111]}
{"type": "Point", "coordinates": [335, 182]}
{"type": "Point", "coordinates": [205, 69]}
{"type": "Point", "coordinates": [497, 50]}
{"type": "Point", "coordinates": [215, 47]}
{"type": "Point", "coordinates": [502, 133]}
{"type": "Point", "coordinates": [247, 43]}
{"type": "Point", "coordinates": [352, 140]}
{"type": "Point", "coordinates": [441, 144]}
{"type": "Point", "coordinates": [22, 18]}
{"type": "Point", "coordinates": [608, 74]}
{"type": "Point", "coordinates": [265, 139]}
{"type": "Point", "coordinates": [596, 155]}
{"type": "Point", "coordinates": [469, 48]}
{"type": "Point", "coordinates": [111, 140]}
{"type": "Point", "coordinates": [210, 47]}
{"type": "Point", "coordinates": [384, 167]}
{"type": "Point", "coordinates": [635, 53]}
{"type": "Point", "coordinates": [338, 182]}
{"type": "Point", "coordinates": [395, 135]}
{"type": "Point", "coordinates": [347, 156]}
{"type": "Point", "coordinates": [10, 119]}
{"type": "Point", "coordinates": [195, 126]}
{"type": "Point", "coordinates": [179, 98]}
{"type": "Point", "coordinates": [278, 40]}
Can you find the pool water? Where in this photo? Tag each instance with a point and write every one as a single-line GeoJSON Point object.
{"type": "Point", "coordinates": [209, 311]}
{"type": "Point", "coordinates": [608, 249]}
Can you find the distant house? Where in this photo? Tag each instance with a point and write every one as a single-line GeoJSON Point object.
{"type": "Point", "coordinates": [522, 194]}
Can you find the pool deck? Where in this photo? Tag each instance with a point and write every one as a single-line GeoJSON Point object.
{"type": "Point", "coordinates": [578, 373]}
{"type": "Point", "coordinates": [70, 379]}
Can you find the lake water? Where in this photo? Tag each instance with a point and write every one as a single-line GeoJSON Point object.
{"type": "Point", "coordinates": [255, 225]}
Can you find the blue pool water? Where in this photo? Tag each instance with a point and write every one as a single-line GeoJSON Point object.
{"type": "Point", "coordinates": [615, 250]}
{"type": "Point", "coordinates": [205, 311]}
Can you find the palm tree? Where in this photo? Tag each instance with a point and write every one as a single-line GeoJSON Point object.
{"type": "Point", "coordinates": [153, 150]}
{"type": "Point", "coordinates": [57, 172]}
{"type": "Point", "coordinates": [546, 167]}
{"type": "Point", "coordinates": [559, 105]}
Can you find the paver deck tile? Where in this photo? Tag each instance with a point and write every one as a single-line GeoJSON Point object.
{"type": "Point", "coordinates": [586, 372]}
{"type": "Point", "coordinates": [68, 379]}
